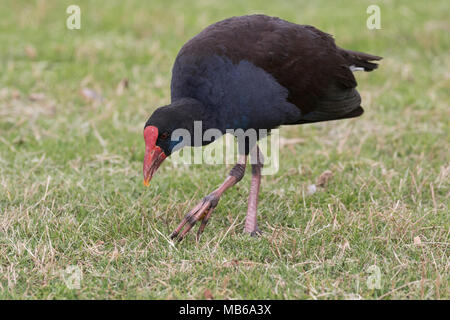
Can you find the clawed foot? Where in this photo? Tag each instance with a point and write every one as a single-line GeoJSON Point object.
{"type": "Point", "coordinates": [255, 232]}
{"type": "Point", "coordinates": [202, 211]}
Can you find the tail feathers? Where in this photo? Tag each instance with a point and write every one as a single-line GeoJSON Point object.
{"type": "Point", "coordinates": [358, 60]}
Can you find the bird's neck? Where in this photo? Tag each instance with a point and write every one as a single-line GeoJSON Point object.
{"type": "Point", "coordinates": [196, 117]}
{"type": "Point", "coordinates": [193, 110]}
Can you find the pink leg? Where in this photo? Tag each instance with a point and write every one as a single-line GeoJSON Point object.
{"type": "Point", "coordinates": [251, 225]}
{"type": "Point", "coordinates": [202, 211]}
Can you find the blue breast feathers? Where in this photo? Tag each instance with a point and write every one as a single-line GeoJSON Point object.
{"type": "Point", "coordinates": [236, 95]}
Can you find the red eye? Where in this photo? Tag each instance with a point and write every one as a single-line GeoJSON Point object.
{"type": "Point", "coordinates": [164, 135]}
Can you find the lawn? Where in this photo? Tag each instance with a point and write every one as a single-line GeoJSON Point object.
{"type": "Point", "coordinates": [71, 151]}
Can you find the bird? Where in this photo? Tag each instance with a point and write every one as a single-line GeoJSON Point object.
{"type": "Point", "coordinates": [251, 72]}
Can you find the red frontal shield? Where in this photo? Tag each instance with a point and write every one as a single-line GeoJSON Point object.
{"type": "Point", "coordinates": [154, 155]}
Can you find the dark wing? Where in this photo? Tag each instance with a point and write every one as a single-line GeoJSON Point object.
{"type": "Point", "coordinates": [303, 59]}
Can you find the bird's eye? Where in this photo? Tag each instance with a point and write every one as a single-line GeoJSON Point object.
{"type": "Point", "coordinates": [164, 135]}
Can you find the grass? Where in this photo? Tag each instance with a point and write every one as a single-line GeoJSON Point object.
{"type": "Point", "coordinates": [71, 189]}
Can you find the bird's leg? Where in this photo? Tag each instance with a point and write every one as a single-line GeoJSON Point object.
{"type": "Point", "coordinates": [202, 211]}
{"type": "Point", "coordinates": [257, 160]}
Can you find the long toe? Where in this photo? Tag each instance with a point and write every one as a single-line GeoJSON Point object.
{"type": "Point", "coordinates": [201, 212]}
{"type": "Point", "coordinates": [256, 232]}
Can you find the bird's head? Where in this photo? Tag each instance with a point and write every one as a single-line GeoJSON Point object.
{"type": "Point", "coordinates": [157, 137]}
{"type": "Point", "coordinates": [158, 130]}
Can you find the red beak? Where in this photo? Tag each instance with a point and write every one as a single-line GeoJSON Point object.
{"type": "Point", "coordinates": [154, 155]}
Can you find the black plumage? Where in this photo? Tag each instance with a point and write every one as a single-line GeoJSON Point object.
{"type": "Point", "coordinates": [258, 72]}
{"type": "Point", "coordinates": [248, 72]}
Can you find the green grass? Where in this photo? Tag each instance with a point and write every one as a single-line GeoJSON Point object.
{"type": "Point", "coordinates": [70, 171]}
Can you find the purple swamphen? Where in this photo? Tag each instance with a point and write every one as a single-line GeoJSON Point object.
{"type": "Point", "coordinates": [251, 72]}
